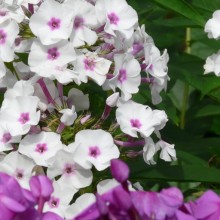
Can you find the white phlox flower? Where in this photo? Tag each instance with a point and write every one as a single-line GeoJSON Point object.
{"type": "Point", "coordinates": [162, 117]}
{"type": "Point", "coordinates": [20, 114]}
{"type": "Point", "coordinates": [79, 205]}
{"type": "Point", "coordinates": [60, 199]}
{"type": "Point", "coordinates": [126, 75]}
{"type": "Point", "coordinates": [84, 20]}
{"type": "Point", "coordinates": [8, 13]}
{"type": "Point", "coordinates": [6, 139]}
{"type": "Point", "coordinates": [52, 22]}
{"type": "Point", "coordinates": [136, 118]}
{"type": "Point", "coordinates": [139, 39]}
{"type": "Point", "coordinates": [213, 64]}
{"type": "Point", "coordinates": [8, 32]}
{"type": "Point", "coordinates": [92, 66]}
{"type": "Point", "coordinates": [168, 152]}
{"type": "Point", "coordinates": [19, 166]}
{"type": "Point", "coordinates": [149, 151]}
{"type": "Point", "coordinates": [94, 147]}
{"type": "Point", "coordinates": [50, 61]}
{"type": "Point", "coordinates": [72, 174]}
{"type": "Point", "coordinates": [156, 63]}
{"type": "Point", "coordinates": [119, 41]}
{"type": "Point", "coordinates": [212, 27]}
{"type": "Point", "coordinates": [156, 87]}
{"type": "Point", "coordinates": [20, 88]}
{"type": "Point", "coordinates": [106, 185]}
{"type": "Point", "coordinates": [117, 15]}
{"type": "Point", "coordinates": [41, 147]}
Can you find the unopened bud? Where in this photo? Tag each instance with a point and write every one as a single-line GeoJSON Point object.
{"type": "Point", "coordinates": [112, 99]}
{"type": "Point", "coordinates": [85, 119]}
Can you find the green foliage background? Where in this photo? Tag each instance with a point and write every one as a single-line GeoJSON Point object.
{"type": "Point", "coordinates": [192, 101]}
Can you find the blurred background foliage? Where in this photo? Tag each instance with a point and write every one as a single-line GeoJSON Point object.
{"type": "Point", "coordinates": [192, 100]}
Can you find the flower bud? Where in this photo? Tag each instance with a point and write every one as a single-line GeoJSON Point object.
{"type": "Point", "coordinates": [120, 170]}
{"type": "Point", "coordinates": [41, 186]}
{"type": "Point", "coordinates": [85, 119]}
{"type": "Point", "coordinates": [69, 116]}
{"type": "Point", "coordinates": [112, 99]}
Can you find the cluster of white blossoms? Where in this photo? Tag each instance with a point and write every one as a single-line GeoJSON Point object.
{"type": "Point", "coordinates": [49, 52]}
{"type": "Point", "coordinates": [212, 27]}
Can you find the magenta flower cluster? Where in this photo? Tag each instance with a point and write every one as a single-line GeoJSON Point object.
{"type": "Point", "coordinates": [123, 203]}
{"type": "Point", "coordinates": [20, 204]}
{"type": "Point", "coordinates": [120, 202]}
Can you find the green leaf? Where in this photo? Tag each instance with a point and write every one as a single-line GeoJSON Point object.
{"type": "Point", "coordinates": [189, 69]}
{"type": "Point", "coordinates": [208, 110]}
{"type": "Point", "coordinates": [184, 9]}
{"type": "Point", "coordinates": [216, 125]}
{"type": "Point", "coordinates": [183, 173]}
{"type": "Point", "coordinates": [23, 57]}
{"type": "Point", "coordinates": [169, 108]}
{"type": "Point", "coordinates": [207, 5]}
{"type": "Point", "coordinates": [200, 146]}
{"type": "Point", "coordinates": [175, 22]}
{"type": "Point", "coordinates": [189, 159]}
{"type": "Point", "coordinates": [201, 45]}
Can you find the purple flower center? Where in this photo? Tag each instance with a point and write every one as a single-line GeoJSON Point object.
{"type": "Point", "coordinates": [53, 202]}
{"type": "Point", "coordinates": [69, 169]}
{"type": "Point", "coordinates": [3, 36]}
{"type": "Point", "coordinates": [6, 137]}
{"type": "Point", "coordinates": [113, 18]}
{"type": "Point", "coordinates": [19, 174]}
{"type": "Point", "coordinates": [122, 75]}
{"type": "Point", "coordinates": [135, 123]}
{"type": "Point", "coordinates": [54, 23]}
{"type": "Point", "coordinates": [78, 22]}
{"type": "Point", "coordinates": [53, 53]}
{"type": "Point", "coordinates": [41, 148]}
{"type": "Point", "coordinates": [24, 118]}
{"type": "Point", "coordinates": [89, 64]}
{"type": "Point", "coordinates": [94, 151]}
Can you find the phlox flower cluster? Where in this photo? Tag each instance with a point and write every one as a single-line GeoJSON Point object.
{"type": "Point", "coordinates": [120, 201]}
{"type": "Point", "coordinates": [20, 203]}
{"type": "Point", "coordinates": [54, 55]}
{"type": "Point", "coordinates": [115, 199]}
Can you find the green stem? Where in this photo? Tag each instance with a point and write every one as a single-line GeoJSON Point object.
{"type": "Point", "coordinates": [16, 75]}
{"type": "Point", "coordinates": [186, 86]}
{"type": "Point", "coordinates": [184, 106]}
